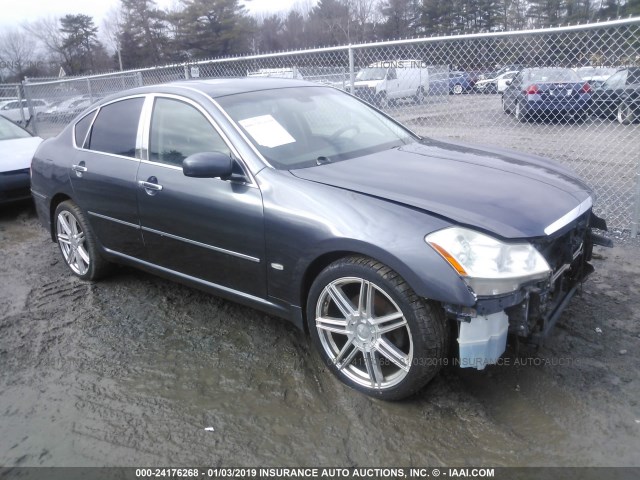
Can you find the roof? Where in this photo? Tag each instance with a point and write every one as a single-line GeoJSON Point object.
{"type": "Point", "coordinates": [220, 87]}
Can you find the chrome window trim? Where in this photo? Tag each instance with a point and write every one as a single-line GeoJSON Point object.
{"type": "Point", "coordinates": [159, 164]}
{"type": "Point", "coordinates": [569, 217]}
{"type": "Point", "coordinates": [147, 134]}
{"type": "Point", "coordinates": [204, 245]}
{"type": "Point", "coordinates": [128, 97]}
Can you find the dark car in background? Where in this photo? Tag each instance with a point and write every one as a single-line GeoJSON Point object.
{"type": "Point", "coordinates": [453, 82]}
{"type": "Point", "coordinates": [619, 96]}
{"type": "Point", "coordinates": [551, 93]}
{"type": "Point", "coordinates": [17, 147]}
{"type": "Point", "coordinates": [305, 202]}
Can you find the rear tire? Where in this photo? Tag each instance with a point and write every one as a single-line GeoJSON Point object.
{"type": "Point", "coordinates": [520, 115]}
{"type": "Point", "coordinates": [419, 96]}
{"type": "Point", "coordinates": [372, 331]}
{"type": "Point", "coordinates": [77, 243]}
{"type": "Point", "coordinates": [625, 114]}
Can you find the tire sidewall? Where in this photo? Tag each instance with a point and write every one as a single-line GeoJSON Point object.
{"type": "Point", "coordinates": [90, 242]}
{"type": "Point", "coordinates": [426, 361]}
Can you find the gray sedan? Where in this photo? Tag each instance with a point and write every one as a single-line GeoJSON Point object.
{"type": "Point", "coordinates": [307, 203]}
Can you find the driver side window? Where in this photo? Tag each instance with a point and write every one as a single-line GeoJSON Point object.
{"type": "Point", "coordinates": [179, 130]}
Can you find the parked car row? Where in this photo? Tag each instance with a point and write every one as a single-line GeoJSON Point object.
{"type": "Point", "coordinates": [561, 92]}
{"type": "Point", "coordinates": [18, 110]}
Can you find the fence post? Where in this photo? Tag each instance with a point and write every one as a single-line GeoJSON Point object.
{"type": "Point", "coordinates": [635, 216]}
{"type": "Point", "coordinates": [186, 72]}
{"type": "Point", "coordinates": [20, 98]}
{"type": "Point", "coordinates": [89, 90]}
{"type": "Point", "coordinates": [352, 74]}
{"type": "Point", "coordinates": [139, 76]}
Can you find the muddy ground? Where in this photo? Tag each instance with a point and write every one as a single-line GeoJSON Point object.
{"type": "Point", "coordinates": [130, 371]}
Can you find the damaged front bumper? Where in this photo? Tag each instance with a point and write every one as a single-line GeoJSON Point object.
{"type": "Point", "coordinates": [532, 311]}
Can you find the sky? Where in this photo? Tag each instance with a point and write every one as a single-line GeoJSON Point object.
{"type": "Point", "coordinates": [15, 13]}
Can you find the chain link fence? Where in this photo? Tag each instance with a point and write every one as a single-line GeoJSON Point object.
{"type": "Point", "coordinates": [566, 93]}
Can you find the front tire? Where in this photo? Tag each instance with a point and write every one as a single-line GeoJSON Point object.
{"type": "Point", "coordinates": [373, 332]}
{"type": "Point", "coordinates": [77, 243]}
{"type": "Point", "coordinates": [457, 89]}
{"type": "Point", "coordinates": [383, 101]}
{"type": "Point", "coordinates": [504, 106]}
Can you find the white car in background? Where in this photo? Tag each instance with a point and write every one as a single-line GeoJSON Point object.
{"type": "Point", "coordinates": [11, 110]}
{"type": "Point", "coordinates": [17, 147]}
{"type": "Point", "coordinates": [495, 85]}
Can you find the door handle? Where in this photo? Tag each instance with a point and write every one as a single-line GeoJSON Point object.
{"type": "Point", "coordinates": [150, 187]}
{"type": "Point", "coordinates": [79, 169]}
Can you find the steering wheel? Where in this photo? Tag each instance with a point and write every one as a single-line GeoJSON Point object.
{"type": "Point", "coordinates": [343, 130]}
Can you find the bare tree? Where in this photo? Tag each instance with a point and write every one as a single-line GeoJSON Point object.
{"type": "Point", "coordinates": [17, 51]}
{"type": "Point", "coordinates": [111, 31]}
{"type": "Point", "coordinates": [47, 31]}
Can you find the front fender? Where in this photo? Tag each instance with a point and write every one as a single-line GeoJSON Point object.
{"type": "Point", "coordinates": [308, 224]}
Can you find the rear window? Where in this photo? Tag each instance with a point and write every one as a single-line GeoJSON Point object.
{"type": "Point", "coordinates": [553, 75]}
{"type": "Point", "coordinates": [82, 127]}
{"type": "Point", "coordinates": [116, 128]}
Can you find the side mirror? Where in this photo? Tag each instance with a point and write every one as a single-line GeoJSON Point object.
{"type": "Point", "coordinates": [508, 82]}
{"type": "Point", "coordinates": [208, 165]}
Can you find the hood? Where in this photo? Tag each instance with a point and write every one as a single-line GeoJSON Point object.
{"type": "Point", "coordinates": [509, 194]}
{"type": "Point", "coordinates": [16, 154]}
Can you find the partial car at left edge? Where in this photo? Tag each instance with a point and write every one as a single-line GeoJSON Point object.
{"type": "Point", "coordinates": [17, 147]}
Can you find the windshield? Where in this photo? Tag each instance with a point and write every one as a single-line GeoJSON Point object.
{"type": "Point", "coordinates": [306, 126]}
{"type": "Point", "coordinates": [552, 75]}
{"type": "Point", "coordinates": [589, 72]}
{"type": "Point", "coordinates": [372, 73]}
{"type": "Point", "coordinates": [9, 130]}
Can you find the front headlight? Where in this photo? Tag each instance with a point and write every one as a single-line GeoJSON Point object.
{"type": "Point", "coordinates": [489, 266]}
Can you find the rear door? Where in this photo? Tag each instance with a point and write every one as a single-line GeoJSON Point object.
{"type": "Point", "coordinates": [103, 174]}
{"type": "Point", "coordinates": [207, 228]}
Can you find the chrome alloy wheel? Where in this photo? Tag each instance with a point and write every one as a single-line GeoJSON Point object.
{"type": "Point", "coordinates": [72, 239]}
{"type": "Point", "coordinates": [364, 333]}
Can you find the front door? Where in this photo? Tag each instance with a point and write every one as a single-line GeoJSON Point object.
{"type": "Point", "coordinates": [207, 228]}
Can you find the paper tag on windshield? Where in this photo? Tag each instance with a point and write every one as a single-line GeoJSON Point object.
{"type": "Point", "coordinates": [267, 131]}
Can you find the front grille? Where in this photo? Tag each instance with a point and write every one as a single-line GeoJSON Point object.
{"type": "Point", "coordinates": [561, 250]}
